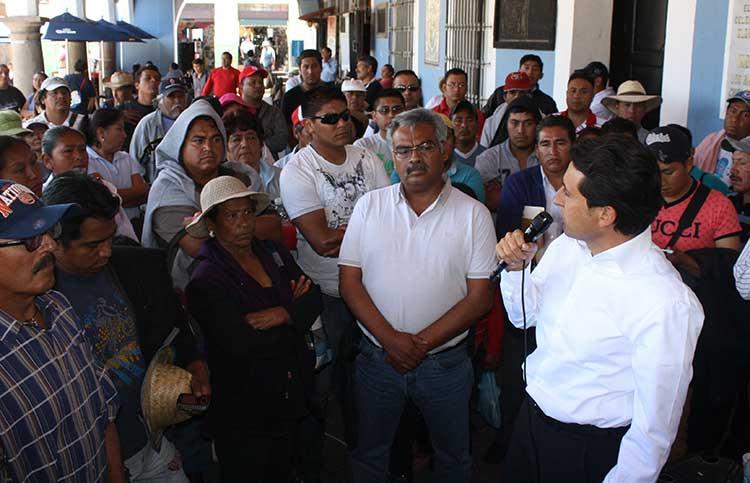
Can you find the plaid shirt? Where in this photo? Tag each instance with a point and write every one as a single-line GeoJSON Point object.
{"type": "Point", "coordinates": [55, 402]}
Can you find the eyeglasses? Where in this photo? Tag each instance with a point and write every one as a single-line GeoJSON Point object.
{"type": "Point", "coordinates": [32, 244]}
{"type": "Point", "coordinates": [456, 85]}
{"type": "Point", "coordinates": [333, 117]}
{"type": "Point", "coordinates": [404, 152]}
{"type": "Point", "coordinates": [410, 88]}
{"type": "Point", "coordinates": [394, 109]}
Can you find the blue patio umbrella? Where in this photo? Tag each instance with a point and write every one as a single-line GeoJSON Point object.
{"type": "Point", "coordinates": [124, 35]}
{"type": "Point", "coordinates": [133, 30]}
{"type": "Point", "coordinates": [74, 29]}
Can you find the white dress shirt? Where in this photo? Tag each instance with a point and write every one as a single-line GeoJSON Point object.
{"type": "Point", "coordinates": [415, 267]}
{"type": "Point", "coordinates": [742, 272]}
{"type": "Point", "coordinates": [616, 334]}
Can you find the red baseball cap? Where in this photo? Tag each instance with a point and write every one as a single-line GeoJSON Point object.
{"type": "Point", "coordinates": [252, 70]}
{"type": "Point", "coordinates": [230, 98]}
{"type": "Point", "coordinates": [517, 81]}
{"type": "Point", "coordinates": [297, 116]}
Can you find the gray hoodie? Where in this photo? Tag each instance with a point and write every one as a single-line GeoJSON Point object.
{"type": "Point", "coordinates": [173, 186]}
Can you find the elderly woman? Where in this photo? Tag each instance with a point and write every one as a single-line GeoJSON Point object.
{"type": "Point", "coordinates": [255, 306]}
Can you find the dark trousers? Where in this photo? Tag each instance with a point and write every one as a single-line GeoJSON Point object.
{"type": "Point", "coordinates": [261, 459]}
{"type": "Point", "coordinates": [543, 449]}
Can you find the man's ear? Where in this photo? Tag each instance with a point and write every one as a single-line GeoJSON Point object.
{"type": "Point", "coordinates": [607, 216]}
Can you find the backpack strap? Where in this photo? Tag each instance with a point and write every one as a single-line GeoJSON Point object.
{"type": "Point", "coordinates": [688, 216]}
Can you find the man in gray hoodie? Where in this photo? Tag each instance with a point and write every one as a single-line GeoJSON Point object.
{"type": "Point", "coordinates": [189, 156]}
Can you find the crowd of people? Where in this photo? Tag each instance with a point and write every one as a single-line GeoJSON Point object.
{"type": "Point", "coordinates": [341, 243]}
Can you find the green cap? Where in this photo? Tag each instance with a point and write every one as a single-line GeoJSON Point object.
{"type": "Point", "coordinates": [10, 124]}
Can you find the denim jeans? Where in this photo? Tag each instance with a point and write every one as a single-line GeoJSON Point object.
{"type": "Point", "coordinates": [440, 387]}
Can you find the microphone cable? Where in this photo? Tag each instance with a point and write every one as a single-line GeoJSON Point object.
{"type": "Point", "coordinates": [525, 380]}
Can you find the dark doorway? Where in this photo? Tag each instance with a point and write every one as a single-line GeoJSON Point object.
{"type": "Point", "coordinates": [638, 33]}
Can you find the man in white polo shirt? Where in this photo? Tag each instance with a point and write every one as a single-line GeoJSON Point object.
{"type": "Point", "coordinates": [414, 270]}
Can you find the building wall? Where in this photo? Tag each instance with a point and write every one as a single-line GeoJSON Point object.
{"type": "Point", "coordinates": [507, 62]}
{"type": "Point", "coordinates": [157, 18]}
{"type": "Point", "coordinates": [707, 65]}
{"type": "Point", "coordinates": [380, 45]}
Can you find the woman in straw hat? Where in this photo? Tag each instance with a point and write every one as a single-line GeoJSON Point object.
{"type": "Point", "coordinates": [255, 306]}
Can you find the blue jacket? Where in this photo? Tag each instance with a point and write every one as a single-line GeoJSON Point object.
{"type": "Point", "coordinates": [524, 188]}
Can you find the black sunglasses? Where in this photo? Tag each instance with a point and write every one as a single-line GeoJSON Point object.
{"type": "Point", "coordinates": [333, 117]}
{"type": "Point", "coordinates": [32, 244]}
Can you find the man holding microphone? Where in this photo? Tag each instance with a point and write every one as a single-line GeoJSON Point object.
{"type": "Point", "coordinates": [616, 328]}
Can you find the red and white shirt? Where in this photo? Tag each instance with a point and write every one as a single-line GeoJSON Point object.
{"type": "Point", "coordinates": [716, 219]}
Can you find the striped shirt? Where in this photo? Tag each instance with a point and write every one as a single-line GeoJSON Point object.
{"type": "Point", "coordinates": [55, 401]}
{"type": "Point", "coordinates": [742, 272]}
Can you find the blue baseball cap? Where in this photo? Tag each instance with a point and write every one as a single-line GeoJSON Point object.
{"type": "Point", "coordinates": [169, 84]}
{"type": "Point", "coordinates": [23, 215]}
{"type": "Point", "coordinates": [743, 96]}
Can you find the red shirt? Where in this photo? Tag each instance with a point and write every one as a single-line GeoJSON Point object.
{"type": "Point", "coordinates": [222, 81]}
{"type": "Point", "coordinates": [716, 219]}
{"type": "Point", "coordinates": [443, 108]}
{"type": "Point", "coordinates": [591, 121]}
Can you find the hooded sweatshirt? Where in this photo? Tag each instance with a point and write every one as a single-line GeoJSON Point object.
{"type": "Point", "coordinates": [173, 186]}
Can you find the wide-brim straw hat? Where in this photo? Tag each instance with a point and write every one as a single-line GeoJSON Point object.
{"type": "Point", "coordinates": [119, 79]}
{"type": "Point", "coordinates": [162, 386]}
{"type": "Point", "coordinates": [216, 192]}
{"type": "Point", "coordinates": [631, 91]}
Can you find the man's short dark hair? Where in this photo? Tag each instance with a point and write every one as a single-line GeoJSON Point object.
{"type": "Point", "coordinates": [309, 54]}
{"type": "Point", "coordinates": [598, 69]}
{"type": "Point", "coordinates": [581, 74]}
{"type": "Point", "coordinates": [370, 61]}
{"type": "Point", "coordinates": [6, 143]}
{"type": "Point", "coordinates": [621, 126]}
{"type": "Point", "coordinates": [80, 65]}
{"type": "Point", "coordinates": [144, 69]}
{"type": "Point", "coordinates": [524, 104]}
{"type": "Point", "coordinates": [387, 94]}
{"type": "Point", "coordinates": [227, 53]}
{"type": "Point", "coordinates": [326, 48]}
{"type": "Point", "coordinates": [198, 61]}
{"type": "Point", "coordinates": [456, 71]}
{"type": "Point", "coordinates": [316, 98]}
{"type": "Point", "coordinates": [53, 135]}
{"type": "Point", "coordinates": [94, 199]}
{"type": "Point", "coordinates": [389, 67]}
{"type": "Point", "coordinates": [465, 106]}
{"type": "Point", "coordinates": [532, 57]}
{"type": "Point", "coordinates": [242, 120]}
{"type": "Point", "coordinates": [174, 66]}
{"type": "Point", "coordinates": [623, 174]}
{"type": "Point", "coordinates": [557, 121]}
{"type": "Point", "coordinates": [408, 72]}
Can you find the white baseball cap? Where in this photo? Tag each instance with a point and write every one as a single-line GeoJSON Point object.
{"type": "Point", "coordinates": [353, 85]}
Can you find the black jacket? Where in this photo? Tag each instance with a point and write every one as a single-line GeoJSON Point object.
{"type": "Point", "coordinates": [143, 275]}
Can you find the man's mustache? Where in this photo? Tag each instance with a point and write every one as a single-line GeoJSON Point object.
{"type": "Point", "coordinates": [418, 166]}
{"type": "Point", "coordinates": [47, 260]}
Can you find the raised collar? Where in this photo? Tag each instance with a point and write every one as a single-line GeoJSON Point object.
{"type": "Point", "coordinates": [623, 257]}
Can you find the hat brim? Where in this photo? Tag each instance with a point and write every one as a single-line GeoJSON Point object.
{"type": "Point", "coordinates": [39, 221]}
{"type": "Point", "coordinates": [117, 85]}
{"type": "Point", "coordinates": [199, 228]}
{"type": "Point", "coordinates": [16, 131]}
{"type": "Point", "coordinates": [652, 102]}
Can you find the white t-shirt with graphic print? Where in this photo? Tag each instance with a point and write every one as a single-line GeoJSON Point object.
{"type": "Point", "coordinates": [310, 183]}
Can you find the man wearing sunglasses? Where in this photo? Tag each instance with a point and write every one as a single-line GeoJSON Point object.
{"type": "Point", "coordinates": [319, 188]}
{"type": "Point", "coordinates": [407, 82]}
{"type": "Point", "coordinates": [388, 104]}
{"type": "Point", "coordinates": [57, 404]}
{"type": "Point", "coordinates": [415, 310]}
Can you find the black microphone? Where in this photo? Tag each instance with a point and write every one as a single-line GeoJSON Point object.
{"type": "Point", "coordinates": [538, 226]}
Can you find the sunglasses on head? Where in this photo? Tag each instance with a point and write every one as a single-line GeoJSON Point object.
{"type": "Point", "coordinates": [32, 244]}
{"type": "Point", "coordinates": [410, 88]}
{"type": "Point", "coordinates": [333, 117]}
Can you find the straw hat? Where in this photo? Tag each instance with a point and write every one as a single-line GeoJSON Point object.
{"type": "Point", "coordinates": [631, 91]}
{"type": "Point", "coordinates": [119, 79]}
{"type": "Point", "coordinates": [216, 192]}
{"type": "Point", "coordinates": [162, 385]}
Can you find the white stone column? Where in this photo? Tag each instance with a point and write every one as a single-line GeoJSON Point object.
{"type": "Point", "coordinates": [226, 30]}
{"type": "Point", "coordinates": [584, 34]}
{"type": "Point", "coordinates": [26, 49]}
